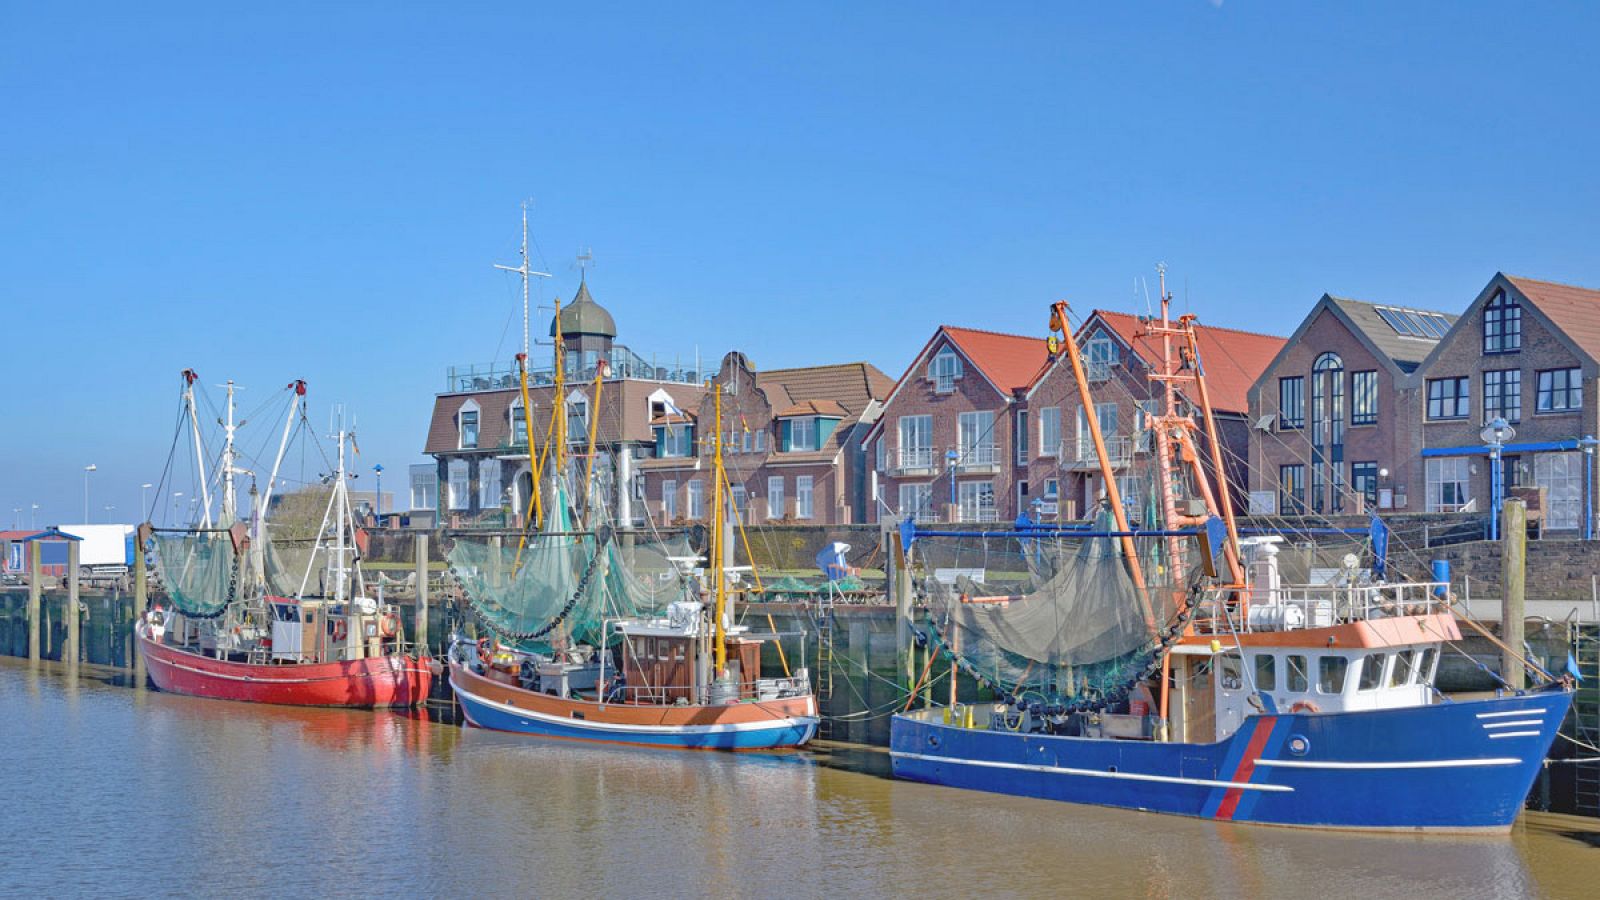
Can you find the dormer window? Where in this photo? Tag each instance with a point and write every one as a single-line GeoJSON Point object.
{"type": "Point", "coordinates": [802, 434]}
{"type": "Point", "coordinates": [519, 423]}
{"type": "Point", "coordinates": [467, 425]}
{"type": "Point", "coordinates": [944, 371]}
{"type": "Point", "coordinates": [1502, 324]}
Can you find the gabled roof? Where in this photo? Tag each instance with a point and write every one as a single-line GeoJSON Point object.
{"type": "Point", "coordinates": [1010, 361]}
{"type": "Point", "coordinates": [1405, 351]}
{"type": "Point", "coordinates": [1575, 310]}
{"type": "Point", "coordinates": [848, 385]}
{"type": "Point", "coordinates": [1233, 359]}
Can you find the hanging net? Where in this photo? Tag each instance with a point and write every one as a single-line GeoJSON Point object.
{"type": "Point", "coordinates": [561, 586]}
{"type": "Point", "coordinates": [1058, 615]}
{"type": "Point", "coordinates": [197, 571]}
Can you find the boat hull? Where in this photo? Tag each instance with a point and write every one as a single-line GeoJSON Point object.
{"type": "Point", "coordinates": [755, 725]}
{"type": "Point", "coordinates": [1463, 766]}
{"type": "Point", "coordinates": [379, 682]}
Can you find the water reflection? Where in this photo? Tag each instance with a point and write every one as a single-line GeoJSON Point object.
{"type": "Point", "coordinates": [139, 793]}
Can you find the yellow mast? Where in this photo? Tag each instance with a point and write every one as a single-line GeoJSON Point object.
{"type": "Point", "coordinates": [560, 412]}
{"type": "Point", "coordinates": [594, 431]}
{"type": "Point", "coordinates": [717, 565]}
{"type": "Point", "coordinates": [535, 510]}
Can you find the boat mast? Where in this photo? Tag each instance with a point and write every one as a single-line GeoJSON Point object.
{"type": "Point", "coordinates": [189, 378]}
{"type": "Point", "coordinates": [341, 514]}
{"type": "Point", "coordinates": [229, 500]}
{"type": "Point", "coordinates": [525, 271]}
{"type": "Point", "coordinates": [718, 564]}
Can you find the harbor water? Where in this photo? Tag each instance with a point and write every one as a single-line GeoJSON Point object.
{"type": "Point", "coordinates": [130, 792]}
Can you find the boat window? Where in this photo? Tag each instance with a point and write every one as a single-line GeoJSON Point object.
{"type": "Point", "coordinates": [1298, 679]}
{"type": "Point", "coordinates": [1371, 672]}
{"type": "Point", "coordinates": [1401, 673]}
{"type": "Point", "coordinates": [1330, 674]}
{"type": "Point", "coordinates": [1425, 665]}
{"type": "Point", "coordinates": [1230, 676]}
{"type": "Point", "coordinates": [1266, 672]}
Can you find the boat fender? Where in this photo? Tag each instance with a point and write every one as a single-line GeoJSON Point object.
{"type": "Point", "coordinates": [1305, 706]}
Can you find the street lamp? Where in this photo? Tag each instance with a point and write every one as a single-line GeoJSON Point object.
{"type": "Point", "coordinates": [1496, 434]}
{"type": "Point", "coordinates": [950, 457]}
{"type": "Point", "coordinates": [86, 470]}
{"type": "Point", "coordinates": [1588, 444]}
{"type": "Point", "coordinates": [176, 496]}
{"type": "Point", "coordinates": [144, 503]}
{"type": "Point", "coordinates": [33, 517]}
{"type": "Point", "coordinates": [377, 502]}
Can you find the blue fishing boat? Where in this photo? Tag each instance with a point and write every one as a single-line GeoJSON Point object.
{"type": "Point", "coordinates": [1174, 668]}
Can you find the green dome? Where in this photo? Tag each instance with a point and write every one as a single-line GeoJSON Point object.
{"type": "Point", "coordinates": [584, 316]}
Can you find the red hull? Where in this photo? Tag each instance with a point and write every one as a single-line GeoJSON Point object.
{"type": "Point", "coordinates": [397, 681]}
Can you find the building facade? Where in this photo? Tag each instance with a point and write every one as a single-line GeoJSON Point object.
{"type": "Point", "coordinates": [1336, 416]}
{"type": "Point", "coordinates": [1526, 352]}
{"type": "Point", "coordinates": [478, 435]}
{"type": "Point", "coordinates": [791, 443]}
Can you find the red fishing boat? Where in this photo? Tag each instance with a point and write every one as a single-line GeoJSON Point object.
{"type": "Point", "coordinates": [241, 625]}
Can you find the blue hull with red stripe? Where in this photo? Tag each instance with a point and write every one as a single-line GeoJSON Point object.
{"type": "Point", "coordinates": [1452, 766]}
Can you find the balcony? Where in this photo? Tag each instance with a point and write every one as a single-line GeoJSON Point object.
{"type": "Point", "coordinates": [983, 459]}
{"type": "Point", "coordinates": [1080, 457]}
{"type": "Point", "coordinates": [914, 461]}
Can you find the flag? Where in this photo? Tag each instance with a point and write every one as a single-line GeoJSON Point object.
{"type": "Point", "coordinates": [672, 408]}
{"type": "Point", "coordinates": [353, 445]}
{"type": "Point", "coordinates": [1572, 668]}
{"type": "Point", "coordinates": [743, 424]}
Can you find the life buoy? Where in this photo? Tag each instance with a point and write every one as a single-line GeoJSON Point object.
{"type": "Point", "coordinates": [389, 625]}
{"type": "Point", "coordinates": [1305, 706]}
{"type": "Point", "coordinates": [341, 629]}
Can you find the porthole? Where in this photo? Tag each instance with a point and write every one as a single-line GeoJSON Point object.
{"type": "Point", "coordinates": [1299, 745]}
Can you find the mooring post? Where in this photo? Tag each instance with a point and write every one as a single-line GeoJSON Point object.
{"type": "Point", "coordinates": [900, 590]}
{"type": "Point", "coordinates": [35, 589]}
{"type": "Point", "coordinates": [1513, 577]}
{"type": "Point", "coordinates": [422, 592]}
{"type": "Point", "coordinates": [69, 652]}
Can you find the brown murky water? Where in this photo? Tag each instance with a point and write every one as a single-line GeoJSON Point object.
{"type": "Point", "coordinates": [118, 792]}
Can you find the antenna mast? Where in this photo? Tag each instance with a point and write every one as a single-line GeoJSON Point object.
{"type": "Point", "coordinates": [526, 272]}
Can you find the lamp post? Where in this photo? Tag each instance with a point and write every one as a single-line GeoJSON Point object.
{"type": "Point", "coordinates": [176, 496]}
{"type": "Point", "coordinates": [1496, 434]}
{"type": "Point", "coordinates": [144, 503]}
{"type": "Point", "coordinates": [377, 502]}
{"type": "Point", "coordinates": [1383, 478]}
{"type": "Point", "coordinates": [33, 518]}
{"type": "Point", "coordinates": [86, 470]}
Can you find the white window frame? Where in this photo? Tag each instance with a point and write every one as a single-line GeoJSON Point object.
{"type": "Point", "coordinates": [577, 405]}
{"type": "Point", "coordinates": [489, 491]}
{"type": "Point", "coordinates": [1100, 355]}
{"type": "Point", "coordinates": [917, 453]}
{"type": "Point", "coordinates": [775, 498]}
{"type": "Point", "coordinates": [944, 371]}
{"type": "Point", "coordinates": [519, 432]}
{"type": "Point", "coordinates": [471, 408]}
{"type": "Point", "coordinates": [669, 500]}
{"type": "Point", "coordinates": [761, 440]}
{"type": "Point", "coordinates": [424, 488]}
{"type": "Point", "coordinates": [916, 500]}
{"type": "Point", "coordinates": [1449, 481]}
{"type": "Point", "coordinates": [975, 501]}
{"type": "Point", "coordinates": [1050, 431]}
{"type": "Point", "coordinates": [809, 429]}
{"type": "Point", "coordinates": [804, 506]}
{"type": "Point", "coordinates": [1021, 437]}
{"type": "Point", "coordinates": [975, 438]}
{"type": "Point", "coordinates": [695, 501]}
{"type": "Point", "coordinates": [459, 484]}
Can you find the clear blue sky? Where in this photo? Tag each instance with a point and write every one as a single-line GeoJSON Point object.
{"type": "Point", "coordinates": [318, 190]}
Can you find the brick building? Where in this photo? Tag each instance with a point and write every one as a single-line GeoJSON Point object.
{"type": "Point", "coordinates": [1062, 468]}
{"type": "Point", "coordinates": [1525, 351]}
{"type": "Point", "coordinates": [944, 446]}
{"type": "Point", "coordinates": [791, 444]}
{"type": "Point", "coordinates": [1336, 415]}
{"type": "Point", "coordinates": [478, 434]}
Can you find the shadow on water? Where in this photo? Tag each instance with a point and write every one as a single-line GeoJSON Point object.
{"type": "Point", "coordinates": [376, 803]}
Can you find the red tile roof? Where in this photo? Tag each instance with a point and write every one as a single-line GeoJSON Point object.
{"type": "Point", "coordinates": [1010, 361]}
{"type": "Point", "coordinates": [814, 408]}
{"type": "Point", "coordinates": [1575, 310]}
{"type": "Point", "coordinates": [1233, 359]}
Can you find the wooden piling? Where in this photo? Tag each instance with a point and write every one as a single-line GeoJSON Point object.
{"type": "Point", "coordinates": [70, 651]}
{"type": "Point", "coordinates": [421, 627]}
{"type": "Point", "coordinates": [900, 590]}
{"type": "Point", "coordinates": [1513, 579]}
{"type": "Point", "coordinates": [35, 589]}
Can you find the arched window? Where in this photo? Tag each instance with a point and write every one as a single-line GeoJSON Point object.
{"type": "Point", "coordinates": [1502, 324]}
{"type": "Point", "coordinates": [1327, 433]}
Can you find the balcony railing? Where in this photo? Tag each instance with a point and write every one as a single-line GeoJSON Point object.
{"type": "Point", "coordinates": [916, 458]}
{"type": "Point", "coordinates": [1119, 449]}
{"type": "Point", "coordinates": [624, 363]}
